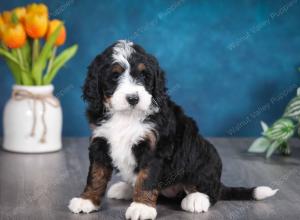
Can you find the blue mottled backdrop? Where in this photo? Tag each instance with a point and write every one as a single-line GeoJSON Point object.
{"type": "Point", "coordinates": [230, 64]}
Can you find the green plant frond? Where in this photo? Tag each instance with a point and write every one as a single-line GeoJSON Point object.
{"type": "Point", "coordinates": [59, 62]}
{"type": "Point", "coordinates": [282, 129]}
{"type": "Point", "coordinates": [260, 145]}
{"type": "Point", "coordinates": [284, 149]}
{"type": "Point", "coordinates": [264, 126]}
{"type": "Point", "coordinates": [293, 108]}
{"type": "Point", "coordinates": [272, 148]}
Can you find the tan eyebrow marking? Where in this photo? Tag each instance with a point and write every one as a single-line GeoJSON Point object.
{"type": "Point", "coordinates": [141, 67]}
{"type": "Point", "coordinates": [117, 68]}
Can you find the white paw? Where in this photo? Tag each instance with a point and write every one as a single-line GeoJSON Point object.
{"type": "Point", "coordinates": [120, 190]}
{"type": "Point", "coordinates": [195, 202]}
{"type": "Point", "coordinates": [78, 205]}
{"type": "Point", "coordinates": [263, 192]}
{"type": "Point", "coordinates": [140, 211]}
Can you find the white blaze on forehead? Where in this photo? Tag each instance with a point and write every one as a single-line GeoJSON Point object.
{"type": "Point", "coordinates": [121, 53]}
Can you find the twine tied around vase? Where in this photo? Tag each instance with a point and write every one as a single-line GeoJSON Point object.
{"type": "Point", "coordinates": [44, 99]}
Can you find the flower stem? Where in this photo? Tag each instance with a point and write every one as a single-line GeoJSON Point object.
{"type": "Point", "coordinates": [50, 64]}
{"type": "Point", "coordinates": [35, 51]}
{"type": "Point", "coordinates": [23, 75]}
{"type": "Point", "coordinates": [35, 54]}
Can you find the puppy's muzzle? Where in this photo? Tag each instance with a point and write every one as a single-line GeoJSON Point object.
{"type": "Point", "coordinates": [132, 99]}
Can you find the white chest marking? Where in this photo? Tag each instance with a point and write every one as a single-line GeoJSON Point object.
{"type": "Point", "coordinates": [122, 131]}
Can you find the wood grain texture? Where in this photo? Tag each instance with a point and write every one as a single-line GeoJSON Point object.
{"type": "Point", "coordinates": [40, 186]}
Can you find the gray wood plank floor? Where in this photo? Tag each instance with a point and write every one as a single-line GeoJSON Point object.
{"type": "Point", "coordinates": [40, 186]}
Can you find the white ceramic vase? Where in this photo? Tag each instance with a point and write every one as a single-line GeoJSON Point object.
{"type": "Point", "coordinates": [32, 120]}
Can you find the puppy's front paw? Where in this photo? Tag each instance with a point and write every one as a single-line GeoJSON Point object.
{"type": "Point", "coordinates": [120, 190]}
{"type": "Point", "coordinates": [78, 205]}
{"type": "Point", "coordinates": [195, 202]}
{"type": "Point", "coordinates": [140, 211]}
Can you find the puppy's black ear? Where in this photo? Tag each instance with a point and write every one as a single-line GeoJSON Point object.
{"type": "Point", "coordinates": [159, 89]}
{"type": "Point", "coordinates": [92, 91]}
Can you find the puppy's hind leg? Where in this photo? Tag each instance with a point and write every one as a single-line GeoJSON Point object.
{"type": "Point", "coordinates": [195, 201]}
{"type": "Point", "coordinates": [120, 190]}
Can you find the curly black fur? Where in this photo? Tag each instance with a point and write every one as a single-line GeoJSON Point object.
{"type": "Point", "coordinates": [181, 155]}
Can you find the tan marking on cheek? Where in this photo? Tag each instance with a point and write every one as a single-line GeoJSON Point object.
{"type": "Point", "coordinates": [141, 67]}
{"type": "Point", "coordinates": [92, 126]}
{"type": "Point", "coordinates": [147, 197]}
{"type": "Point", "coordinates": [117, 68]}
{"type": "Point", "coordinates": [96, 184]}
{"type": "Point", "coordinates": [151, 138]}
{"type": "Point", "coordinates": [107, 100]}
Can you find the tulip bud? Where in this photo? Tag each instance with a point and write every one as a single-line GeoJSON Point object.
{"type": "Point", "coordinates": [61, 38]}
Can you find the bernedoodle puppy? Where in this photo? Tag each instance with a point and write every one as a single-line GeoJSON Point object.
{"type": "Point", "coordinates": [142, 134]}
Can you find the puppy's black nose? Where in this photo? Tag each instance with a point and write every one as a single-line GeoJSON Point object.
{"type": "Point", "coordinates": [132, 99]}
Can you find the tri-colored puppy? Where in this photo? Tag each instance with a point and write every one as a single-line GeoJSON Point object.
{"type": "Point", "coordinates": [147, 138]}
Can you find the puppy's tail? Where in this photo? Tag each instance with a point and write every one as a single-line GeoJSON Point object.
{"type": "Point", "coordinates": [241, 193]}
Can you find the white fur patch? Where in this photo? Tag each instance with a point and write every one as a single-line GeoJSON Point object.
{"type": "Point", "coordinates": [263, 192]}
{"type": "Point", "coordinates": [121, 52]}
{"type": "Point", "coordinates": [195, 202]}
{"type": "Point", "coordinates": [78, 205]}
{"type": "Point", "coordinates": [140, 211]}
{"type": "Point", "coordinates": [120, 190]}
{"type": "Point", "coordinates": [122, 131]}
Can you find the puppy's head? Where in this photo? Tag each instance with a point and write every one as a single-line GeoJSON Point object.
{"type": "Point", "coordinates": [124, 78]}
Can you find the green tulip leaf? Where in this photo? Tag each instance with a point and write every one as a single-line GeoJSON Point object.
{"type": "Point", "coordinates": [8, 56]}
{"type": "Point", "coordinates": [59, 62]}
{"type": "Point", "coordinates": [15, 70]}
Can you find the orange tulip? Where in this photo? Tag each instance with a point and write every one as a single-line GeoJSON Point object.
{"type": "Point", "coordinates": [36, 25]}
{"type": "Point", "coordinates": [37, 8]}
{"type": "Point", "coordinates": [36, 20]}
{"type": "Point", "coordinates": [7, 15]}
{"type": "Point", "coordinates": [14, 35]}
{"type": "Point", "coordinates": [1, 26]}
{"type": "Point", "coordinates": [61, 38]}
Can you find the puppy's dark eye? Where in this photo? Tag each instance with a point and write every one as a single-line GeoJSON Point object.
{"type": "Point", "coordinates": [114, 76]}
{"type": "Point", "coordinates": [116, 71]}
{"type": "Point", "coordinates": [143, 76]}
